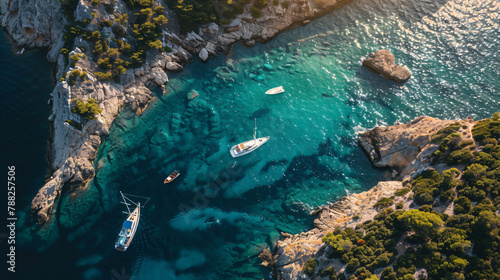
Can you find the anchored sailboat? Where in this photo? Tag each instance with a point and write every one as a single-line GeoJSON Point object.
{"type": "Point", "coordinates": [130, 225]}
{"type": "Point", "coordinates": [250, 145]}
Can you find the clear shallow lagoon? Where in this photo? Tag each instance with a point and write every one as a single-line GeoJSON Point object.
{"type": "Point", "coordinates": [214, 220]}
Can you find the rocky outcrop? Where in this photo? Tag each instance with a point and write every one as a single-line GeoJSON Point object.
{"type": "Point", "coordinates": [294, 250]}
{"type": "Point", "coordinates": [213, 38]}
{"type": "Point", "coordinates": [383, 62]}
{"type": "Point", "coordinates": [405, 147]}
{"type": "Point", "coordinates": [35, 23]}
{"type": "Point", "coordinates": [72, 151]}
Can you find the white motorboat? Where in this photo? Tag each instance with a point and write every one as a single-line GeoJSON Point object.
{"type": "Point", "coordinates": [248, 146]}
{"type": "Point", "coordinates": [276, 90]}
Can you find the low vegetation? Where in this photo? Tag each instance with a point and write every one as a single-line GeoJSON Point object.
{"type": "Point", "coordinates": [88, 109]}
{"type": "Point", "coordinates": [463, 246]}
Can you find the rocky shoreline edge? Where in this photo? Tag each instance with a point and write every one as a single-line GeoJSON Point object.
{"type": "Point", "coordinates": [72, 151]}
{"type": "Point", "coordinates": [406, 149]}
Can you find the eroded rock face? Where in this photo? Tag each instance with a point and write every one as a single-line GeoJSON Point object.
{"type": "Point", "coordinates": [407, 147]}
{"type": "Point", "coordinates": [35, 23]}
{"type": "Point", "coordinates": [402, 145]}
{"type": "Point", "coordinates": [383, 62]}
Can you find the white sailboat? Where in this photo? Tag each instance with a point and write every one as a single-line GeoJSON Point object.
{"type": "Point", "coordinates": [248, 146]}
{"type": "Point", "coordinates": [130, 225]}
{"type": "Point", "coordinates": [276, 90]}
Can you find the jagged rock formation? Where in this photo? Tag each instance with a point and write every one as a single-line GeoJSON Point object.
{"type": "Point", "coordinates": [382, 61]}
{"type": "Point", "coordinates": [72, 151]}
{"type": "Point", "coordinates": [294, 250]}
{"type": "Point", "coordinates": [34, 23]}
{"type": "Point", "coordinates": [212, 38]}
{"type": "Point", "coordinates": [406, 147]}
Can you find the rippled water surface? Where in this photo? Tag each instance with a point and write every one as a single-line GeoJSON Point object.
{"type": "Point", "coordinates": [214, 220]}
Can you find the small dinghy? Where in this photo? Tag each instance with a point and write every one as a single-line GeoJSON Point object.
{"type": "Point", "coordinates": [276, 90]}
{"type": "Point", "coordinates": [172, 177]}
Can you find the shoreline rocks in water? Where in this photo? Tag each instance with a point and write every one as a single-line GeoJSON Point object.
{"type": "Point", "coordinates": [293, 251]}
{"type": "Point", "coordinates": [383, 62]}
{"type": "Point", "coordinates": [407, 147]}
{"type": "Point", "coordinates": [72, 151]}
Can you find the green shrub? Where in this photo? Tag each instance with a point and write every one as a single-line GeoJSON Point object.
{"type": "Point", "coordinates": [459, 157]}
{"type": "Point", "coordinates": [402, 192]}
{"type": "Point", "coordinates": [448, 196]}
{"type": "Point", "coordinates": [400, 205]}
{"type": "Point", "coordinates": [276, 2]}
{"type": "Point", "coordinates": [87, 109]}
{"type": "Point", "coordinates": [310, 266]}
{"type": "Point", "coordinates": [74, 59]}
{"type": "Point", "coordinates": [75, 124]}
{"type": "Point", "coordinates": [285, 4]}
{"type": "Point", "coordinates": [384, 202]}
{"type": "Point", "coordinates": [256, 12]}
{"type": "Point", "coordinates": [103, 76]}
{"type": "Point", "coordinates": [465, 143]}
{"type": "Point", "coordinates": [260, 3]}
{"type": "Point", "coordinates": [72, 76]}
{"type": "Point", "coordinates": [424, 197]}
{"type": "Point", "coordinates": [94, 2]}
{"type": "Point", "coordinates": [328, 272]}
{"type": "Point", "coordinates": [159, 10]}
{"type": "Point", "coordinates": [105, 23]}
{"type": "Point", "coordinates": [489, 128]}
{"type": "Point", "coordinates": [64, 51]}
{"type": "Point", "coordinates": [110, 8]}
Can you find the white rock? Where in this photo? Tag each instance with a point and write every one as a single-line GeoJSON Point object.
{"type": "Point", "coordinates": [213, 28]}
{"type": "Point", "coordinates": [159, 75]}
{"type": "Point", "coordinates": [203, 54]}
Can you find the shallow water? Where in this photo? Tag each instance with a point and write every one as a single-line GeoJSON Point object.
{"type": "Point", "coordinates": [214, 220]}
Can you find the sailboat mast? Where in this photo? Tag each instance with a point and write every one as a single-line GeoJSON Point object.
{"type": "Point", "coordinates": [255, 131]}
{"type": "Point", "coordinates": [125, 202]}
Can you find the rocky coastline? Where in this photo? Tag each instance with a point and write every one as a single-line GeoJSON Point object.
{"type": "Point", "coordinates": [406, 149]}
{"type": "Point", "coordinates": [72, 151]}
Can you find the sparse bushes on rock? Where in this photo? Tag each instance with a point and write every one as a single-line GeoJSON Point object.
{"type": "Point", "coordinates": [310, 266]}
{"type": "Point", "coordinates": [88, 109]}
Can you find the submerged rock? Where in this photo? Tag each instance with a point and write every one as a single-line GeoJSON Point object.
{"type": "Point", "coordinates": [382, 62]}
{"type": "Point", "coordinates": [192, 94]}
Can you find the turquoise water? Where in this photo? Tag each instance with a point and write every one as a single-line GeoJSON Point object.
{"type": "Point", "coordinates": [214, 220]}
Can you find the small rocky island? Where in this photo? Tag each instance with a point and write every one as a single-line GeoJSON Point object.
{"type": "Point", "coordinates": [383, 62]}
{"type": "Point", "coordinates": [439, 221]}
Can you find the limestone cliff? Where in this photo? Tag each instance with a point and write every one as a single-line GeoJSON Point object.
{"type": "Point", "coordinates": [35, 23]}
{"type": "Point", "coordinates": [407, 147]}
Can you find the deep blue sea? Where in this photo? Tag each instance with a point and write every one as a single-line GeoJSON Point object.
{"type": "Point", "coordinates": [213, 221]}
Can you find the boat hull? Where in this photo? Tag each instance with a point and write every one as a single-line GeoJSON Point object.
{"type": "Point", "coordinates": [275, 90]}
{"type": "Point", "coordinates": [123, 241]}
{"type": "Point", "coordinates": [248, 147]}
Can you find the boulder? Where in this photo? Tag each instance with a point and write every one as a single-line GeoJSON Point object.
{"type": "Point", "coordinates": [159, 76]}
{"type": "Point", "coordinates": [203, 54]}
{"type": "Point", "coordinates": [382, 62]}
{"type": "Point", "coordinates": [173, 66]}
